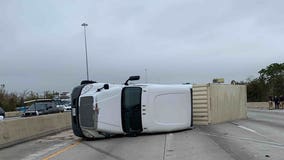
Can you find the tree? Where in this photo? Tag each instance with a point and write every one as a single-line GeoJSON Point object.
{"type": "Point", "coordinates": [9, 101]}
{"type": "Point", "coordinates": [269, 83]}
{"type": "Point", "coordinates": [256, 90]}
{"type": "Point", "coordinates": [48, 95]}
{"type": "Point", "coordinates": [272, 71]}
{"type": "Point", "coordinates": [31, 96]}
{"type": "Point", "coordinates": [273, 76]}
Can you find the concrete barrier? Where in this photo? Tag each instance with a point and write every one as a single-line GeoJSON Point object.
{"type": "Point", "coordinates": [258, 105]}
{"type": "Point", "coordinates": [16, 131]}
{"type": "Point", "coordinates": [13, 114]}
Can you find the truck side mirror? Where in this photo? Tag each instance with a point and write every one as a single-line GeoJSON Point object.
{"type": "Point", "coordinates": [106, 86]}
{"type": "Point", "coordinates": [87, 82]}
{"type": "Point", "coordinates": [132, 78]}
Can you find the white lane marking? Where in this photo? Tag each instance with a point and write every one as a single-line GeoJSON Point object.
{"type": "Point", "coordinates": [169, 147]}
{"type": "Point", "coordinates": [251, 130]}
{"type": "Point", "coordinates": [255, 132]}
{"type": "Point", "coordinates": [169, 140]}
{"type": "Point", "coordinates": [271, 143]}
{"type": "Point", "coordinates": [248, 129]}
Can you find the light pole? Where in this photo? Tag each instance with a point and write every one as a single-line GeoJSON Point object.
{"type": "Point", "coordinates": [146, 76]}
{"type": "Point", "coordinates": [85, 25]}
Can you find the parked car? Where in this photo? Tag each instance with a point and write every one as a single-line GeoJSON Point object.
{"type": "Point", "coordinates": [60, 105]}
{"type": "Point", "coordinates": [67, 104]}
{"type": "Point", "coordinates": [2, 113]}
{"type": "Point", "coordinates": [42, 106]}
{"type": "Point", "coordinates": [67, 107]}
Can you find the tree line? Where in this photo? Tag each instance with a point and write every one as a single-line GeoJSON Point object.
{"type": "Point", "coordinates": [270, 83]}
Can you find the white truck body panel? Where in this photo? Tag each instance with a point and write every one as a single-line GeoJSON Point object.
{"type": "Point", "coordinates": [167, 108]}
{"type": "Point", "coordinates": [109, 117]}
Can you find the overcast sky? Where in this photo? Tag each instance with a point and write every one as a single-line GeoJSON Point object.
{"type": "Point", "coordinates": [42, 42]}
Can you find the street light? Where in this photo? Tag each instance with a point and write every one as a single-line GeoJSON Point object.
{"type": "Point", "coordinates": [85, 25]}
{"type": "Point", "coordinates": [146, 76]}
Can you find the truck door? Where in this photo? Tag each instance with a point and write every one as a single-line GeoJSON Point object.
{"type": "Point", "coordinates": [131, 110]}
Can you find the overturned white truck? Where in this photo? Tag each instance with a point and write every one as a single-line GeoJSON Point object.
{"type": "Point", "coordinates": [106, 109]}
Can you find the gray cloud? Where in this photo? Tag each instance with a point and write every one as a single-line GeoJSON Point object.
{"type": "Point", "coordinates": [42, 47]}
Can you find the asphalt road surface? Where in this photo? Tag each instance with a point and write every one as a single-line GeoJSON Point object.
{"type": "Point", "coordinates": [260, 137]}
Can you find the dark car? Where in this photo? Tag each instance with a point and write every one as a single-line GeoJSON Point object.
{"type": "Point", "coordinates": [2, 112]}
{"type": "Point", "coordinates": [40, 107]}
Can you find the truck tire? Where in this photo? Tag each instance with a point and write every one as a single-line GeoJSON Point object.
{"type": "Point", "coordinates": [74, 104]}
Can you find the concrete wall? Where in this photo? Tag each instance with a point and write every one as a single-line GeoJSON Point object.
{"type": "Point", "coordinates": [13, 114]}
{"type": "Point", "coordinates": [216, 103]}
{"type": "Point", "coordinates": [258, 105]}
{"type": "Point", "coordinates": [227, 102]}
{"type": "Point", "coordinates": [19, 130]}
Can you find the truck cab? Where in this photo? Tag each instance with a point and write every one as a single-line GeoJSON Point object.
{"type": "Point", "coordinates": [107, 109]}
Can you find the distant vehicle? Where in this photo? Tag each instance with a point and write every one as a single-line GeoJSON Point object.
{"type": "Point", "coordinates": [60, 104]}
{"type": "Point", "coordinates": [67, 107]}
{"type": "Point", "coordinates": [103, 109]}
{"type": "Point", "coordinates": [2, 113]}
{"type": "Point", "coordinates": [42, 106]}
{"type": "Point", "coordinates": [67, 104]}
